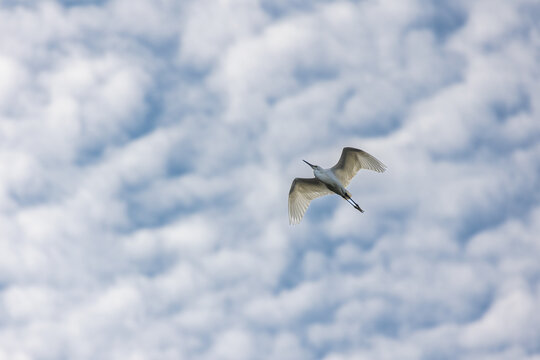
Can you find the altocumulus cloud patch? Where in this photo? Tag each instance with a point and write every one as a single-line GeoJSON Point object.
{"type": "Point", "coordinates": [148, 148]}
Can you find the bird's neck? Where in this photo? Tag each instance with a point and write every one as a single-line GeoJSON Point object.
{"type": "Point", "coordinates": [322, 174]}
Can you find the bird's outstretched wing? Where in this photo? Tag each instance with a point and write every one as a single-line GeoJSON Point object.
{"type": "Point", "coordinates": [301, 193]}
{"type": "Point", "coordinates": [351, 161]}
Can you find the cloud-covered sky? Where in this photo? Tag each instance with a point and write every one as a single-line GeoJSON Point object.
{"type": "Point", "coordinates": [147, 149]}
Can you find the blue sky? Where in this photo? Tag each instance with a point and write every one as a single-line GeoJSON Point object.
{"type": "Point", "coordinates": [148, 148]}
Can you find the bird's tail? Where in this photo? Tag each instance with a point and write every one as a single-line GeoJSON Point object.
{"type": "Point", "coordinates": [352, 202]}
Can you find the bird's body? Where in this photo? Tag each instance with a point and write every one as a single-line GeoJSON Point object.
{"type": "Point", "coordinates": [332, 180]}
{"type": "Point", "coordinates": [327, 177]}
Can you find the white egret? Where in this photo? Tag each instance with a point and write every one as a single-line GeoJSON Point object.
{"type": "Point", "coordinates": [327, 181]}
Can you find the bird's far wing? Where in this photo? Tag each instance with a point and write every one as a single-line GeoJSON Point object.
{"type": "Point", "coordinates": [351, 161]}
{"type": "Point", "coordinates": [301, 193]}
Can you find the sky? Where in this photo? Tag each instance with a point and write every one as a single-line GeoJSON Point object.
{"type": "Point", "coordinates": [147, 151]}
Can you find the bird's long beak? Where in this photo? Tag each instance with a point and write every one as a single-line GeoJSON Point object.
{"type": "Point", "coordinates": [308, 163]}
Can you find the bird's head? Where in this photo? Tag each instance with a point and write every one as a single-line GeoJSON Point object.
{"type": "Point", "coordinates": [314, 167]}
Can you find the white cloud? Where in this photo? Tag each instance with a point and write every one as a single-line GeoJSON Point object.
{"type": "Point", "coordinates": [511, 320]}
{"type": "Point", "coordinates": [147, 151]}
{"type": "Point", "coordinates": [233, 344]}
{"type": "Point", "coordinates": [211, 27]}
{"type": "Point", "coordinates": [13, 76]}
{"type": "Point", "coordinates": [287, 347]}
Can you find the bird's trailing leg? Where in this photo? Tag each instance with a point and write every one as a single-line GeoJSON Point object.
{"type": "Point", "coordinates": [353, 203]}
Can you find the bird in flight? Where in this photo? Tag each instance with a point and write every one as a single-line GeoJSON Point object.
{"type": "Point", "coordinates": [327, 181]}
